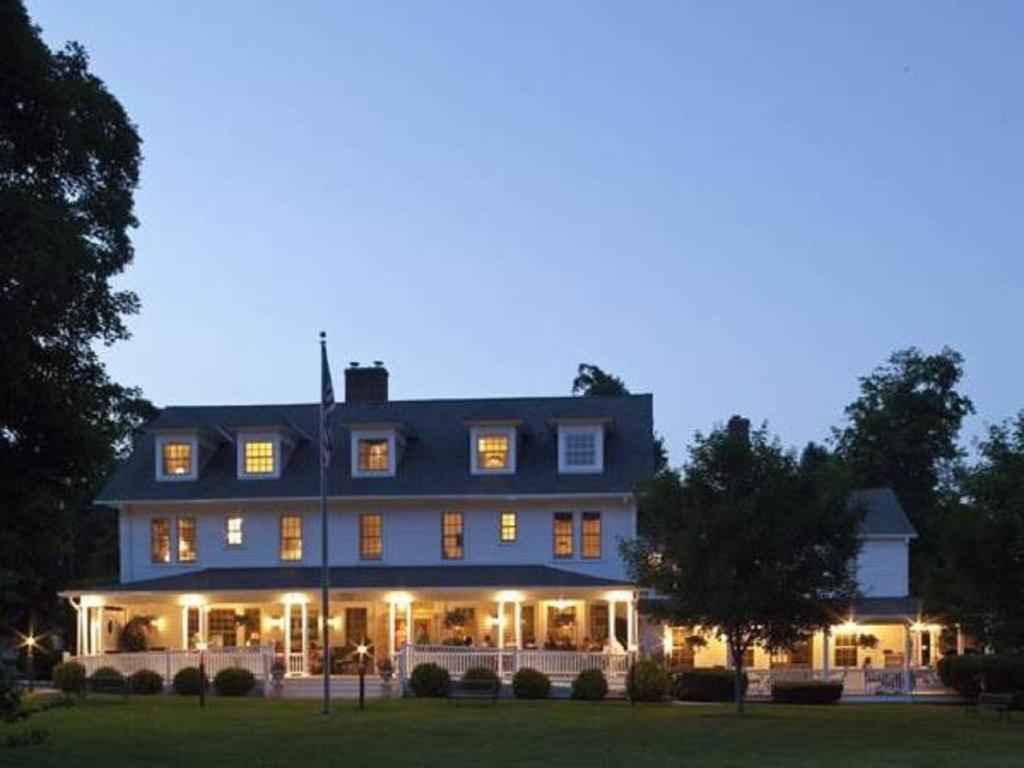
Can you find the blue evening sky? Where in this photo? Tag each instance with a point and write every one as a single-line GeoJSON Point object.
{"type": "Point", "coordinates": [739, 207]}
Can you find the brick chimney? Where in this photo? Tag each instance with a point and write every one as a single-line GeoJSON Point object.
{"type": "Point", "coordinates": [366, 385]}
{"type": "Point", "coordinates": [739, 427]}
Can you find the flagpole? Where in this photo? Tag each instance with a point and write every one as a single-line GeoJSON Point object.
{"type": "Point", "coordinates": [325, 615]}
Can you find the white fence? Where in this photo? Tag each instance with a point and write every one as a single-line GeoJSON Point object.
{"type": "Point", "coordinates": [168, 663]}
{"type": "Point", "coordinates": [558, 665]}
{"type": "Point", "coordinates": [856, 682]}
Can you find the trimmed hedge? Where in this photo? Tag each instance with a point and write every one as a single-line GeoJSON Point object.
{"type": "Point", "coordinates": [69, 677]}
{"type": "Point", "coordinates": [710, 684]}
{"type": "Point", "coordinates": [590, 685]}
{"type": "Point", "coordinates": [970, 675]}
{"type": "Point", "coordinates": [482, 674]}
{"type": "Point", "coordinates": [529, 683]}
{"type": "Point", "coordinates": [234, 681]}
{"type": "Point", "coordinates": [105, 675]}
{"type": "Point", "coordinates": [806, 692]}
{"type": "Point", "coordinates": [145, 682]}
{"type": "Point", "coordinates": [647, 681]}
{"type": "Point", "coordinates": [429, 681]}
{"type": "Point", "coordinates": [188, 681]}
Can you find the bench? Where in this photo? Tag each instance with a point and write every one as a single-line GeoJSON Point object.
{"type": "Point", "coordinates": [1000, 703]}
{"type": "Point", "coordinates": [474, 689]}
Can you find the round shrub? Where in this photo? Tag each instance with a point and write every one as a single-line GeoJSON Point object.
{"type": "Point", "coordinates": [994, 673]}
{"type": "Point", "coordinates": [590, 685]}
{"type": "Point", "coordinates": [69, 677]}
{"type": "Point", "coordinates": [647, 681]}
{"type": "Point", "coordinates": [806, 691]}
{"type": "Point", "coordinates": [188, 681]}
{"type": "Point", "coordinates": [712, 684]}
{"type": "Point", "coordinates": [482, 674]}
{"type": "Point", "coordinates": [429, 681]}
{"type": "Point", "coordinates": [530, 684]}
{"type": "Point", "coordinates": [106, 678]}
{"type": "Point", "coordinates": [145, 682]}
{"type": "Point", "coordinates": [234, 681]}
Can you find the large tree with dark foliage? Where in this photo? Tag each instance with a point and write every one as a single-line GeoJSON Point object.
{"type": "Point", "coordinates": [902, 432]}
{"type": "Point", "coordinates": [69, 163]}
{"type": "Point", "coordinates": [750, 542]}
{"type": "Point", "coordinates": [591, 381]}
{"type": "Point", "coordinates": [978, 576]}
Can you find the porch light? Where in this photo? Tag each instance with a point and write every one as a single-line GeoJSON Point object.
{"type": "Point", "coordinates": [509, 596]}
{"type": "Point", "coordinates": [848, 626]}
{"type": "Point", "coordinates": [91, 601]}
{"type": "Point", "coordinates": [157, 623]}
{"type": "Point", "coordinates": [295, 598]}
{"type": "Point", "coordinates": [401, 599]}
{"type": "Point", "coordinates": [191, 601]}
{"type": "Point", "coordinates": [335, 622]}
{"type": "Point", "coordinates": [619, 596]}
{"type": "Point", "coordinates": [561, 605]}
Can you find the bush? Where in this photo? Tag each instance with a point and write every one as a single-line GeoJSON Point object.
{"type": "Point", "coordinates": [806, 692]}
{"type": "Point", "coordinates": [107, 675]}
{"type": "Point", "coordinates": [590, 685]}
{"type": "Point", "coordinates": [429, 681]}
{"type": "Point", "coordinates": [10, 696]}
{"type": "Point", "coordinates": [69, 677]}
{"type": "Point", "coordinates": [712, 684]}
{"type": "Point", "coordinates": [145, 682]}
{"type": "Point", "coordinates": [483, 674]}
{"type": "Point", "coordinates": [530, 684]}
{"type": "Point", "coordinates": [234, 681]}
{"type": "Point", "coordinates": [970, 675]}
{"type": "Point", "coordinates": [647, 681]}
{"type": "Point", "coordinates": [188, 682]}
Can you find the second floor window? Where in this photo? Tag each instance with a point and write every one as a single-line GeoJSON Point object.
{"type": "Point", "coordinates": [591, 540]}
{"type": "Point", "coordinates": [373, 455]}
{"type": "Point", "coordinates": [259, 457]}
{"type": "Point", "coordinates": [177, 459]}
{"type": "Point", "coordinates": [160, 540]}
{"type": "Point", "coordinates": [371, 537]}
{"type": "Point", "coordinates": [508, 528]}
{"type": "Point", "coordinates": [186, 539]}
{"type": "Point", "coordinates": [233, 529]}
{"type": "Point", "coordinates": [451, 536]}
{"type": "Point", "coordinates": [563, 539]}
{"type": "Point", "coordinates": [291, 537]}
{"type": "Point", "coordinates": [492, 452]}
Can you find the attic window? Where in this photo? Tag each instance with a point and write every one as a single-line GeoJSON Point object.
{"type": "Point", "coordinates": [492, 450]}
{"type": "Point", "coordinates": [580, 448]}
{"type": "Point", "coordinates": [373, 455]}
{"type": "Point", "coordinates": [177, 456]}
{"type": "Point", "coordinates": [261, 454]}
{"type": "Point", "coordinates": [259, 457]}
{"type": "Point", "coordinates": [177, 459]}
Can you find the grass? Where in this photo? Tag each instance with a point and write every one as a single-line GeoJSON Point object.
{"type": "Point", "coordinates": [169, 731]}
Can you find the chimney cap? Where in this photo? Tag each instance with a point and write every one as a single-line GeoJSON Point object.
{"type": "Point", "coordinates": [378, 363]}
{"type": "Point", "coordinates": [353, 364]}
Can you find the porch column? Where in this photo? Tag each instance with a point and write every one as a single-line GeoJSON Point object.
{"type": "Point", "coordinates": [184, 627]}
{"type": "Point", "coordinates": [631, 625]}
{"type": "Point", "coordinates": [287, 619]}
{"type": "Point", "coordinates": [391, 629]}
{"type": "Point", "coordinates": [204, 624]}
{"type": "Point", "coordinates": [501, 624]}
{"type": "Point", "coordinates": [959, 641]}
{"type": "Point", "coordinates": [613, 640]}
{"type": "Point", "coordinates": [826, 651]}
{"type": "Point", "coordinates": [409, 639]}
{"type": "Point", "coordinates": [517, 623]}
{"type": "Point", "coordinates": [908, 648]}
{"type": "Point", "coordinates": [304, 613]}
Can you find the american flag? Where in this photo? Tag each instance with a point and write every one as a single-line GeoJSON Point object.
{"type": "Point", "coordinates": [327, 404]}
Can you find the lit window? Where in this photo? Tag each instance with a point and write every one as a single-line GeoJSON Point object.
{"type": "Point", "coordinates": [508, 527]}
{"type": "Point", "coordinates": [563, 535]}
{"type": "Point", "coordinates": [291, 537]}
{"type": "Point", "coordinates": [177, 458]}
{"type": "Point", "coordinates": [371, 541]}
{"type": "Point", "coordinates": [186, 539]}
{"type": "Point", "coordinates": [373, 455]}
{"type": "Point", "coordinates": [591, 543]}
{"type": "Point", "coordinates": [580, 449]}
{"type": "Point", "coordinates": [234, 530]}
{"type": "Point", "coordinates": [451, 536]}
{"type": "Point", "coordinates": [160, 540]}
{"type": "Point", "coordinates": [492, 452]}
{"type": "Point", "coordinates": [846, 649]}
{"type": "Point", "coordinates": [259, 457]}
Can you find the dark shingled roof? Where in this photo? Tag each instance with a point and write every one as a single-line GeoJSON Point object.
{"type": "Point", "coordinates": [365, 577]}
{"type": "Point", "coordinates": [436, 457]}
{"type": "Point", "coordinates": [883, 515]}
{"type": "Point", "coordinates": [886, 608]}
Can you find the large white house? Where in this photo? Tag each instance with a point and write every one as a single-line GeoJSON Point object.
{"type": "Point", "coordinates": [460, 531]}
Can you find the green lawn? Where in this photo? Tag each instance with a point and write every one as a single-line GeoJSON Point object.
{"type": "Point", "coordinates": [169, 731]}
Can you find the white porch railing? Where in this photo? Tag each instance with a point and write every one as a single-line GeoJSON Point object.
{"type": "Point", "coordinates": [169, 662]}
{"type": "Point", "coordinates": [856, 682]}
{"type": "Point", "coordinates": [296, 664]}
{"type": "Point", "coordinates": [559, 665]}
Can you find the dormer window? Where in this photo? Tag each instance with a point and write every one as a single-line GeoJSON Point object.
{"type": "Point", "coordinates": [375, 450]}
{"type": "Point", "coordinates": [259, 457]}
{"type": "Point", "coordinates": [261, 454]}
{"type": "Point", "coordinates": [493, 450]}
{"type": "Point", "coordinates": [580, 448]}
{"type": "Point", "coordinates": [374, 455]}
{"type": "Point", "coordinates": [176, 457]}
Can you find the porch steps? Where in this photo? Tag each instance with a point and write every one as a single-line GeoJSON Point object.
{"type": "Point", "coordinates": [341, 688]}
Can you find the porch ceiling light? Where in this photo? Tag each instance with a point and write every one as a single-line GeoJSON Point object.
{"type": "Point", "coordinates": [191, 601]}
{"type": "Point", "coordinates": [509, 596]}
{"type": "Point", "coordinates": [619, 595]}
{"type": "Point", "coordinates": [400, 599]}
{"type": "Point", "coordinates": [561, 605]}
{"type": "Point", "coordinates": [91, 601]}
{"type": "Point", "coordinates": [295, 598]}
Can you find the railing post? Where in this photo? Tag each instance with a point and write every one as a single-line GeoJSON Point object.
{"type": "Point", "coordinates": [403, 668]}
{"type": "Point", "coordinates": [167, 667]}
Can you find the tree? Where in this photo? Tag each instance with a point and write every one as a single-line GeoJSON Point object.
{"type": "Point", "coordinates": [978, 578]}
{"type": "Point", "coordinates": [69, 162]}
{"type": "Point", "coordinates": [591, 381]}
{"type": "Point", "coordinates": [749, 542]}
{"type": "Point", "coordinates": [902, 432]}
